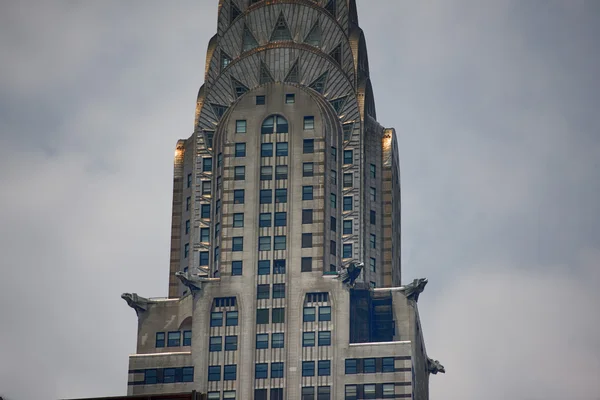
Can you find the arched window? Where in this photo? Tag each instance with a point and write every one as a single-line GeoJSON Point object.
{"type": "Point", "coordinates": [274, 124]}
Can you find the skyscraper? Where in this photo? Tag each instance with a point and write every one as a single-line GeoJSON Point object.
{"type": "Point", "coordinates": [285, 278]}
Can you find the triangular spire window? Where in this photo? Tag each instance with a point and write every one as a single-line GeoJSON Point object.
{"type": "Point", "coordinates": [238, 87]}
{"type": "Point", "coordinates": [265, 75]}
{"type": "Point", "coordinates": [314, 36]}
{"type": "Point", "coordinates": [348, 131]}
{"type": "Point", "coordinates": [281, 31]}
{"type": "Point", "coordinates": [218, 110]}
{"type": "Point", "coordinates": [234, 12]}
{"type": "Point", "coordinates": [294, 74]}
{"type": "Point", "coordinates": [225, 60]}
{"type": "Point", "coordinates": [338, 104]}
{"type": "Point", "coordinates": [336, 54]}
{"type": "Point", "coordinates": [248, 40]}
{"type": "Point", "coordinates": [331, 8]}
{"type": "Point", "coordinates": [319, 83]}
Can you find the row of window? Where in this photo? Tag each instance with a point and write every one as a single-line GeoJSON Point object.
{"type": "Point", "coordinates": [173, 339]}
{"type": "Point", "coordinates": [274, 124]}
{"type": "Point", "coordinates": [369, 365]}
{"type": "Point", "coordinates": [216, 318]}
{"type": "Point", "coordinates": [227, 395]}
{"type": "Point", "coordinates": [277, 316]}
{"type": "Point", "coordinates": [263, 291]}
{"type": "Point", "coordinates": [281, 172]}
{"type": "Point", "coordinates": [261, 394]}
{"type": "Point", "coordinates": [323, 393]}
{"type": "Point", "coordinates": [323, 368]}
{"type": "Point", "coordinates": [165, 375]}
{"type": "Point", "coordinates": [216, 343]}
{"type": "Point", "coordinates": [372, 391]}
{"type": "Point", "coordinates": [229, 373]}
{"type": "Point", "coordinates": [261, 370]}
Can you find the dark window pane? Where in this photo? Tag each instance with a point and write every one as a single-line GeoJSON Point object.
{"type": "Point", "coordinates": [262, 316]}
{"type": "Point", "coordinates": [306, 265]}
{"type": "Point", "coordinates": [278, 316]}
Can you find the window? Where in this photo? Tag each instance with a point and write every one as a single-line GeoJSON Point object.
{"type": "Point", "coordinates": [207, 164]}
{"type": "Point", "coordinates": [188, 202]}
{"type": "Point", "coordinates": [187, 338]}
{"type": "Point", "coordinates": [264, 220]}
{"type": "Point", "coordinates": [281, 172]}
{"type": "Point", "coordinates": [216, 318]}
{"type": "Point", "coordinates": [150, 376]}
{"type": "Point", "coordinates": [347, 227]}
{"type": "Point", "coordinates": [239, 173]}
{"type": "Point", "coordinates": [309, 147]}
{"type": "Point", "coordinates": [324, 367]}
{"type": "Point", "coordinates": [347, 203]}
{"type": "Point", "coordinates": [334, 153]}
{"type": "Point", "coordinates": [348, 157]}
{"type": "Point", "coordinates": [219, 182]}
{"type": "Point", "coordinates": [187, 374]}
{"type": "Point", "coordinates": [277, 370]}
{"type": "Point", "coordinates": [308, 314]}
{"type": "Point", "coordinates": [307, 192]}
{"type": "Point", "coordinates": [373, 171]}
{"type": "Point", "coordinates": [218, 206]}
{"type": "Point", "coordinates": [205, 211]}
{"type": "Point", "coordinates": [229, 395]}
{"type": "Point", "coordinates": [219, 159]}
{"type": "Point", "coordinates": [279, 290]}
{"type": "Point", "coordinates": [373, 217]}
{"type": "Point", "coordinates": [373, 194]}
{"type": "Point", "coordinates": [373, 241]}
{"type": "Point", "coordinates": [266, 150]}
{"type": "Point", "coordinates": [333, 224]}
{"type": "Point", "coordinates": [266, 173]}
{"type": "Point", "coordinates": [262, 316]}
{"type": "Point", "coordinates": [189, 180]}
{"type": "Point", "coordinates": [237, 243]}
{"type": "Point", "coordinates": [261, 371]}
{"type": "Point", "coordinates": [168, 375]}
{"type": "Point", "coordinates": [308, 169]}
{"type": "Point", "coordinates": [278, 315]}
{"type": "Point", "coordinates": [347, 180]}
{"type": "Point", "coordinates": [278, 267]}
{"type": "Point", "coordinates": [347, 250]}
{"type": "Point", "coordinates": [240, 149]}
{"type": "Point", "coordinates": [324, 313]}
{"type": "Point", "coordinates": [217, 229]}
{"type": "Point", "coordinates": [203, 258]}
{"type": "Point", "coordinates": [369, 391]}
{"type": "Point", "coordinates": [230, 372]}
{"type": "Point", "coordinates": [204, 235]}
{"type": "Point", "coordinates": [238, 196]}
{"type": "Point", "coordinates": [308, 368]}
{"type": "Point", "coordinates": [372, 264]}
{"type": "Point", "coordinates": [290, 98]}
{"type": "Point", "coordinates": [389, 390]}
{"type": "Point", "coordinates": [174, 339]}
{"type": "Point", "coordinates": [260, 394]}
{"type": "Point", "coordinates": [280, 195]}
{"type": "Point", "coordinates": [217, 253]}
{"type": "Point", "coordinates": [260, 100]}
{"type": "Point", "coordinates": [262, 291]}
{"type": "Point", "coordinates": [160, 339]}
{"type": "Point", "coordinates": [238, 220]}
{"type": "Point", "coordinates": [333, 200]}
{"type": "Point", "coordinates": [274, 124]}
{"type": "Point", "coordinates": [206, 188]}
{"type": "Point", "coordinates": [277, 394]}
{"type": "Point", "coordinates": [215, 343]}
{"type": "Point", "coordinates": [240, 126]}
{"type": "Point", "coordinates": [232, 318]}
{"type": "Point", "coordinates": [264, 267]}
{"type": "Point", "coordinates": [306, 264]}
{"type": "Point", "coordinates": [351, 366]}
{"type": "Point", "coordinates": [309, 123]}
{"type": "Point", "coordinates": [187, 227]}
{"type": "Point", "coordinates": [306, 240]}
{"type": "Point", "coordinates": [324, 393]}
{"type": "Point", "coordinates": [280, 243]}
{"type": "Point", "coordinates": [325, 338]}
{"type": "Point", "coordinates": [369, 366]}
{"type": "Point", "coordinates": [332, 268]}
{"type": "Point", "coordinates": [351, 392]}
{"type": "Point", "coordinates": [333, 248]}
{"type": "Point", "coordinates": [231, 343]}
{"type": "Point", "coordinates": [266, 196]}
{"type": "Point", "coordinates": [308, 339]}
{"type": "Point", "coordinates": [262, 341]}
{"type": "Point", "coordinates": [264, 243]}
{"type": "Point", "coordinates": [214, 395]}
{"type": "Point", "coordinates": [388, 364]}
{"type": "Point", "coordinates": [281, 149]}
{"type": "Point", "coordinates": [214, 373]}
{"type": "Point", "coordinates": [308, 393]}
{"type": "Point", "coordinates": [333, 176]}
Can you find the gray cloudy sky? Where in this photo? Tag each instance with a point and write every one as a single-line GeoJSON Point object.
{"type": "Point", "coordinates": [496, 104]}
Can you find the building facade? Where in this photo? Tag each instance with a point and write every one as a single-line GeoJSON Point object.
{"type": "Point", "coordinates": [285, 276]}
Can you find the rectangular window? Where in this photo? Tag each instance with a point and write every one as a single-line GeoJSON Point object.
{"type": "Point", "coordinates": [308, 368]}
{"type": "Point", "coordinates": [280, 195]}
{"type": "Point", "coordinates": [372, 264]}
{"type": "Point", "coordinates": [219, 160]}
{"type": "Point", "coordinates": [266, 196]}
{"type": "Point", "coordinates": [308, 147]}
{"type": "Point", "coordinates": [216, 318]}
{"type": "Point", "coordinates": [333, 177]}
{"type": "Point", "coordinates": [308, 315]}
{"type": "Point", "coordinates": [151, 376]}
{"type": "Point", "coordinates": [189, 180]}
{"type": "Point", "coordinates": [238, 196]}
{"type": "Point", "coordinates": [262, 341]}
{"type": "Point", "coordinates": [307, 192]}
{"type": "Point", "coordinates": [240, 149]}
{"type": "Point", "coordinates": [219, 182]}
{"type": "Point", "coordinates": [206, 188]}
{"type": "Point", "coordinates": [308, 339]}
{"type": "Point", "coordinates": [324, 393]}
{"type": "Point", "coordinates": [278, 315]}
{"type": "Point", "coordinates": [290, 98]}
{"type": "Point", "coordinates": [232, 318]}
{"type": "Point", "coordinates": [214, 373]}
{"type": "Point", "coordinates": [325, 338]}
{"type": "Point", "coordinates": [260, 394]}
{"type": "Point", "coordinates": [351, 392]}
{"type": "Point", "coordinates": [262, 316]}
{"type": "Point", "coordinates": [333, 200]}
{"type": "Point", "coordinates": [205, 211]}
{"type": "Point", "coordinates": [230, 372]}
{"type": "Point", "coordinates": [264, 243]}
{"type": "Point", "coordinates": [347, 203]}
{"type": "Point", "coordinates": [351, 366]}
{"type": "Point", "coordinates": [217, 229]}
{"type": "Point", "coordinates": [325, 313]}
{"type": "Point", "coordinates": [215, 343]}
{"type": "Point", "coordinates": [264, 267]}
{"type": "Point", "coordinates": [373, 217]}
{"type": "Point", "coordinates": [217, 253]}
{"type": "Point", "coordinates": [369, 366]}
{"type": "Point", "coordinates": [160, 339]}
{"type": "Point", "coordinates": [239, 173]}
{"type": "Point", "coordinates": [307, 216]}
{"type": "Point", "coordinates": [207, 164]}
{"type": "Point", "coordinates": [218, 206]}
{"type": "Point", "coordinates": [389, 390]}
{"type": "Point", "coordinates": [187, 338]}
{"type": "Point", "coordinates": [231, 343]}
{"type": "Point", "coordinates": [279, 290]}
{"type": "Point", "coordinates": [348, 157]}
{"type": "Point", "coordinates": [334, 153]}
{"type": "Point", "coordinates": [266, 173]}
{"type": "Point", "coordinates": [237, 243]}
{"type": "Point", "coordinates": [187, 227]}
{"type": "Point", "coordinates": [308, 393]}
{"type": "Point", "coordinates": [260, 100]}
{"type": "Point", "coordinates": [261, 371]}
{"type": "Point", "coordinates": [229, 395]}
{"type": "Point", "coordinates": [277, 370]}
{"type": "Point", "coordinates": [307, 240]}
{"type": "Point", "coordinates": [373, 171]}
{"type": "Point", "coordinates": [263, 291]}
{"type": "Point", "coordinates": [347, 227]}
{"type": "Point", "coordinates": [264, 220]}
{"type": "Point", "coordinates": [279, 267]}
{"type": "Point", "coordinates": [306, 265]}
{"type": "Point", "coordinates": [188, 203]}
{"type": "Point", "coordinates": [238, 220]}
{"type": "Point", "coordinates": [168, 375]}
{"type": "Point", "coordinates": [388, 364]}
{"type": "Point", "coordinates": [174, 339]}
{"type": "Point", "coordinates": [348, 180]}
{"type": "Point", "coordinates": [277, 394]}
{"type": "Point", "coordinates": [333, 224]}
{"type": "Point", "coordinates": [236, 268]}
{"type": "Point", "coordinates": [281, 172]}
{"type": "Point", "coordinates": [332, 247]}
{"type": "Point", "coordinates": [203, 258]}
{"type": "Point", "coordinates": [266, 150]}
{"type": "Point", "coordinates": [280, 243]}
{"type": "Point", "coordinates": [308, 169]}
{"type": "Point", "coordinates": [373, 241]}
{"type": "Point", "coordinates": [324, 367]}
{"type": "Point", "coordinates": [369, 391]}
{"type": "Point", "coordinates": [281, 149]}
{"type": "Point", "coordinates": [347, 250]}
{"type": "Point", "coordinates": [309, 123]}
{"type": "Point", "coordinates": [373, 194]}
{"type": "Point", "coordinates": [240, 126]}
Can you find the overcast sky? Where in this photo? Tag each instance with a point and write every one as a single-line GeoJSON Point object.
{"type": "Point", "coordinates": [497, 107]}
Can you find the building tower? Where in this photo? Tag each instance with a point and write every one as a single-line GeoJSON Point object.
{"type": "Point", "coordinates": [284, 278]}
